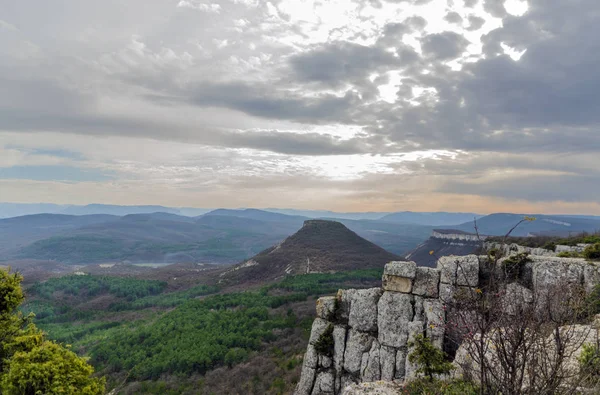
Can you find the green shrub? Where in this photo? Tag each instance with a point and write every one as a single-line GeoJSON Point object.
{"type": "Point", "coordinates": [515, 264]}
{"type": "Point", "coordinates": [570, 254]}
{"type": "Point", "coordinates": [324, 345]}
{"type": "Point", "coordinates": [592, 252]}
{"type": "Point", "coordinates": [440, 387]}
{"type": "Point", "coordinates": [429, 359]}
{"type": "Point", "coordinates": [589, 362]}
{"type": "Point", "coordinates": [550, 246]}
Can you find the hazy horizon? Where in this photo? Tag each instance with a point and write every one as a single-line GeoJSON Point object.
{"type": "Point", "coordinates": [350, 106]}
{"type": "Point", "coordinates": [283, 208]}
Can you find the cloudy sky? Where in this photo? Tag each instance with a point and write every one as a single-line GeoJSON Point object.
{"type": "Point", "coordinates": [382, 105]}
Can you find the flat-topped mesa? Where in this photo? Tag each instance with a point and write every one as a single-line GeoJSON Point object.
{"type": "Point", "coordinates": [362, 335]}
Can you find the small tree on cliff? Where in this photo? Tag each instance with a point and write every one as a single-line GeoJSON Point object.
{"type": "Point", "coordinates": [29, 363]}
{"type": "Point", "coordinates": [430, 360]}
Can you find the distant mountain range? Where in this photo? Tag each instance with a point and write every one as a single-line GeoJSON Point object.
{"type": "Point", "coordinates": [227, 236]}
{"type": "Point", "coordinates": [8, 210]}
{"type": "Point", "coordinates": [221, 236]}
{"type": "Point", "coordinates": [320, 246]}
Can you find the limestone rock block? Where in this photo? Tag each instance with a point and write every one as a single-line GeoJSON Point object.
{"type": "Point", "coordinates": [358, 343]}
{"type": "Point", "coordinates": [459, 270]}
{"type": "Point", "coordinates": [307, 379]}
{"type": "Point", "coordinates": [311, 358]}
{"type": "Point", "coordinates": [339, 346]}
{"type": "Point", "coordinates": [396, 284]}
{"type": "Point", "coordinates": [401, 356]}
{"type": "Point", "coordinates": [447, 292]}
{"type": "Point", "coordinates": [426, 282]}
{"type": "Point", "coordinates": [447, 267]}
{"type": "Point", "coordinates": [324, 383]}
{"type": "Point", "coordinates": [467, 271]}
{"type": "Point", "coordinates": [363, 309]}
{"type": "Point", "coordinates": [415, 328]}
{"type": "Point", "coordinates": [387, 360]}
{"type": "Point", "coordinates": [418, 309]}
{"type": "Point", "coordinates": [326, 307]}
{"type": "Point", "coordinates": [436, 317]}
{"type": "Point", "coordinates": [406, 269]}
{"type": "Point", "coordinates": [376, 388]}
{"type": "Point", "coordinates": [325, 361]}
{"type": "Point", "coordinates": [318, 327]}
{"type": "Point", "coordinates": [371, 371]}
{"type": "Point", "coordinates": [347, 381]}
{"type": "Point", "coordinates": [344, 297]}
{"type": "Point", "coordinates": [591, 276]}
{"type": "Point", "coordinates": [551, 272]}
{"type": "Point", "coordinates": [395, 311]}
{"type": "Point", "coordinates": [516, 298]}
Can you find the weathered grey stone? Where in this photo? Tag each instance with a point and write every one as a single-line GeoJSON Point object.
{"type": "Point", "coordinates": [307, 379]}
{"type": "Point", "coordinates": [311, 358]}
{"type": "Point", "coordinates": [459, 270]}
{"type": "Point", "coordinates": [447, 267]}
{"type": "Point", "coordinates": [516, 298]}
{"type": "Point", "coordinates": [396, 284]}
{"type": "Point", "coordinates": [426, 282]}
{"type": "Point", "coordinates": [325, 361]}
{"type": "Point", "coordinates": [339, 346]}
{"type": "Point", "coordinates": [318, 327]}
{"type": "Point", "coordinates": [406, 269]}
{"type": "Point", "coordinates": [395, 310]}
{"type": "Point", "coordinates": [401, 355]}
{"type": "Point", "coordinates": [415, 328]}
{"type": "Point", "coordinates": [418, 309]}
{"type": "Point", "coordinates": [324, 383]}
{"type": "Point", "coordinates": [387, 360]}
{"type": "Point", "coordinates": [591, 276]}
{"type": "Point", "coordinates": [467, 271]}
{"type": "Point", "coordinates": [326, 307]}
{"type": "Point", "coordinates": [549, 272]}
{"type": "Point", "coordinates": [371, 371]}
{"type": "Point", "coordinates": [447, 292]}
{"type": "Point", "coordinates": [347, 381]}
{"type": "Point", "coordinates": [564, 248]}
{"type": "Point", "coordinates": [358, 343]}
{"type": "Point", "coordinates": [363, 309]}
{"type": "Point", "coordinates": [435, 315]}
{"type": "Point", "coordinates": [377, 388]}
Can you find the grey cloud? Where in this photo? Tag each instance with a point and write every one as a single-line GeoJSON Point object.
{"type": "Point", "coordinates": [471, 3]}
{"type": "Point", "coordinates": [294, 143]}
{"type": "Point", "coordinates": [475, 22]}
{"type": "Point", "coordinates": [495, 8]}
{"type": "Point", "coordinates": [337, 63]}
{"type": "Point", "coordinates": [453, 17]}
{"type": "Point", "coordinates": [444, 46]}
{"type": "Point", "coordinates": [264, 101]}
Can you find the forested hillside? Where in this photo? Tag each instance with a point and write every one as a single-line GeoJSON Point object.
{"type": "Point", "coordinates": [147, 339]}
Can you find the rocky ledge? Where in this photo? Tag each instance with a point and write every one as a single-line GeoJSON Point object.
{"type": "Point", "coordinates": [362, 336]}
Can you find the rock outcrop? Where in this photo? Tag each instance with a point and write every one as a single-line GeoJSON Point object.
{"type": "Point", "coordinates": [372, 328]}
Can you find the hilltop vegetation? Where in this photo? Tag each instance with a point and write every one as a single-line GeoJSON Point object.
{"type": "Point", "coordinates": [319, 246]}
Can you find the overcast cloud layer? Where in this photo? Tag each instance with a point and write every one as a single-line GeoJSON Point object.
{"type": "Point", "coordinates": [361, 105]}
